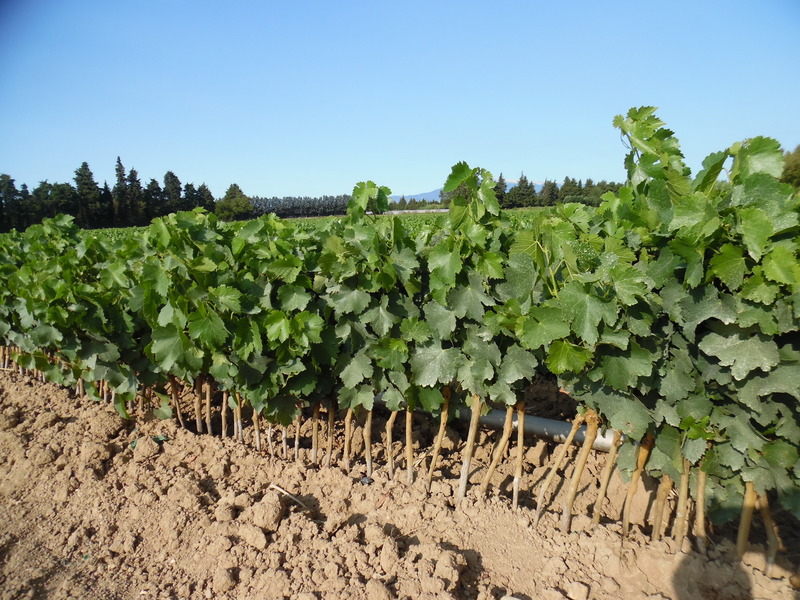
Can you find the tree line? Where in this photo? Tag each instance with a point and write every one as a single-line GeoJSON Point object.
{"type": "Point", "coordinates": [524, 193]}
{"type": "Point", "coordinates": [127, 203]}
{"type": "Point", "coordinates": [130, 203]}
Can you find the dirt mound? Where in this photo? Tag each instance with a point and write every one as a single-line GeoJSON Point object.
{"type": "Point", "coordinates": [92, 506]}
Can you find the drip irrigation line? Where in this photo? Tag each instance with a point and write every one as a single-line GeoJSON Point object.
{"type": "Point", "coordinates": [549, 429]}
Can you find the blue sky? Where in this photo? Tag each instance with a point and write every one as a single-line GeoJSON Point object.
{"type": "Point", "coordinates": [308, 97]}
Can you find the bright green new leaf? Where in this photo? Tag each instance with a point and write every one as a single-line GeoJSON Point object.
{"type": "Point", "coordinates": [756, 230]}
{"type": "Point", "coordinates": [458, 174]}
{"type": "Point", "coordinates": [444, 264]}
{"type": "Point", "coordinates": [391, 353]}
{"type": "Point", "coordinates": [565, 357]}
{"type": "Point", "coordinates": [781, 265]}
{"type": "Point", "coordinates": [729, 266]}
{"type": "Point", "coordinates": [278, 326]}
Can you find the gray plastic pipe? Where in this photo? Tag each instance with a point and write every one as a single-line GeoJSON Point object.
{"type": "Point", "coordinates": [549, 429]}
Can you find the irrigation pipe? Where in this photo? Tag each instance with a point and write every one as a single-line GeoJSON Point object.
{"type": "Point", "coordinates": [549, 429]}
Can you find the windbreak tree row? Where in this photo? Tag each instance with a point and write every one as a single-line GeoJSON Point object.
{"type": "Point", "coordinates": [670, 312]}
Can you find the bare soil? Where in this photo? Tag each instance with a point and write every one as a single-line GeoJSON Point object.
{"type": "Point", "coordinates": [96, 507]}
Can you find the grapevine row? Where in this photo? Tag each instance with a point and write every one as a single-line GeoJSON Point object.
{"type": "Point", "coordinates": [670, 312]}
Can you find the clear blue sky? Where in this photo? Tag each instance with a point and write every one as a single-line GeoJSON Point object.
{"type": "Point", "coordinates": [310, 97]}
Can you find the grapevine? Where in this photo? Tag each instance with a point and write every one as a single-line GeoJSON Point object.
{"type": "Point", "coordinates": [670, 312]}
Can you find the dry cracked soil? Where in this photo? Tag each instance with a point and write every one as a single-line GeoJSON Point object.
{"type": "Point", "coordinates": [93, 506]}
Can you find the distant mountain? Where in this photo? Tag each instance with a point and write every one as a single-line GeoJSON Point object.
{"type": "Point", "coordinates": [434, 195]}
{"type": "Point", "coordinates": [427, 196]}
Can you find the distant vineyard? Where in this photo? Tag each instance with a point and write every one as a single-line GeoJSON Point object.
{"type": "Point", "coordinates": [670, 312]}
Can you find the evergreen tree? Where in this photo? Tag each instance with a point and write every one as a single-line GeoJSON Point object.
{"type": "Point", "coordinates": [206, 198]}
{"type": "Point", "coordinates": [90, 212]}
{"type": "Point", "coordinates": [235, 206]}
{"type": "Point", "coordinates": [173, 193]}
{"type": "Point", "coordinates": [10, 209]}
{"type": "Point", "coordinates": [500, 190]}
{"type": "Point", "coordinates": [106, 208]}
{"type": "Point", "coordinates": [791, 168]}
{"type": "Point", "coordinates": [135, 195]}
{"type": "Point", "coordinates": [521, 195]}
{"type": "Point", "coordinates": [121, 202]}
{"type": "Point", "coordinates": [570, 191]}
{"type": "Point", "coordinates": [548, 194]}
{"type": "Point", "coordinates": [191, 199]}
{"type": "Point", "coordinates": [153, 197]}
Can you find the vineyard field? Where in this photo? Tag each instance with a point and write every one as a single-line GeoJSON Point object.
{"type": "Point", "coordinates": [668, 316]}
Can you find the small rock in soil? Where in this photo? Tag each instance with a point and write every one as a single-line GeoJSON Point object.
{"type": "Point", "coordinates": [577, 591]}
{"type": "Point", "coordinates": [223, 580]}
{"type": "Point", "coordinates": [146, 448]}
{"type": "Point", "coordinates": [253, 535]}
{"type": "Point", "coordinates": [267, 513]}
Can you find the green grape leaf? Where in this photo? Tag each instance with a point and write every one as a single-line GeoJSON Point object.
{"type": "Point", "coordinates": [469, 300]}
{"type": "Point", "coordinates": [444, 263]}
{"type": "Point", "coordinates": [226, 297]}
{"type": "Point", "coordinates": [741, 351]}
{"type": "Point", "coordinates": [702, 304]}
{"type": "Point", "coordinates": [278, 327]}
{"type": "Point", "coordinates": [415, 330]}
{"type": "Point", "coordinates": [292, 297]}
{"type": "Point", "coordinates": [433, 364]}
{"type": "Point", "coordinates": [585, 311]}
{"type": "Point", "coordinates": [783, 379]}
{"type": "Point", "coordinates": [458, 174]}
{"type": "Point", "coordinates": [694, 449]}
{"type": "Point", "coordinates": [346, 300]}
{"type": "Point", "coordinates": [501, 393]}
{"type": "Point", "coordinates": [757, 289]}
{"type": "Point", "coordinates": [629, 283]}
{"type": "Point", "coordinates": [520, 276]}
{"type": "Point", "coordinates": [622, 370]}
{"type": "Point", "coordinates": [440, 320]}
{"type": "Point", "coordinates": [756, 230]}
{"type": "Point", "coordinates": [474, 375]}
{"type": "Point", "coordinates": [164, 411]}
{"type": "Point", "coordinates": [357, 370]}
{"type": "Point", "coordinates": [624, 412]}
{"type": "Point", "coordinates": [758, 155]}
{"type": "Point", "coordinates": [207, 328]}
{"type": "Point", "coordinates": [430, 399]}
{"type": "Point", "coordinates": [517, 364]}
{"type": "Point", "coordinates": [542, 326]}
{"type": "Point", "coordinates": [735, 422]}
{"type": "Point", "coordinates": [566, 357]}
{"type": "Point", "coordinates": [729, 266]}
{"type": "Point", "coordinates": [781, 265]}
{"type": "Point", "coordinates": [391, 353]}
{"type": "Point", "coordinates": [380, 317]}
